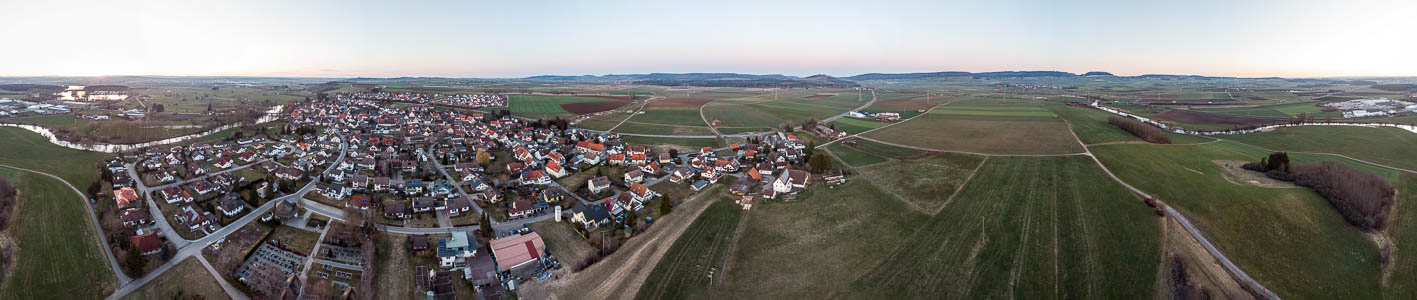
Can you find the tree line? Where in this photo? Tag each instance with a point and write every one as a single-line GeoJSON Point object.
{"type": "Point", "coordinates": [1364, 199]}
{"type": "Point", "coordinates": [1144, 131]}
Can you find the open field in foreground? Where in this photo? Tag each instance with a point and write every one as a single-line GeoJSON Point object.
{"type": "Point", "coordinates": [1033, 228]}
{"type": "Point", "coordinates": [810, 247]}
{"type": "Point", "coordinates": [185, 281]}
{"type": "Point", "coordinates": [56, 249]}
{"type": "Point", "coordinates": [983, 134]}
{"type": "Point", "coordinates": [687, 270]}
{"type": "Point", "coordinates": [1290, 239]}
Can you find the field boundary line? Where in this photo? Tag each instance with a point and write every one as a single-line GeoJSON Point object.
{"type": "Point", "coordinates": [1320, 153]}
{"type": "Point", "coordinates": [858, 135]}
{"type": "Point", "coordinates": [962, 185]}
{"type": "Point", "coordinates": [1235, 272]}
{"type": "Point", "coordinates": [973, 153]}
{"type": "Point", "coordinates": [731, 253]}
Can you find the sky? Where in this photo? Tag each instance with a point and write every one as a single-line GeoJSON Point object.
{"type": "Point", "coordinates": [451, 38]}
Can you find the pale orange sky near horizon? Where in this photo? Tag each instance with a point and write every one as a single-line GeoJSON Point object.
{"type": "Point", "coordinates": [840, 38]}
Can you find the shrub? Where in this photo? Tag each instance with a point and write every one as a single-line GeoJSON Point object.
{"type": "Point", "coordinates": [1144, 131]}
{"type": "Point", "coordinates": [8, 197]}
{"type": "Point", "coordinates": [1362, 198]}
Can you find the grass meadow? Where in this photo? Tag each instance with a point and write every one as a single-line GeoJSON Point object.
{"type": "Point", "coordinates": [56, 249]}
{"type": "Point", "coordinates": [1384, 145]}
{"type": "Point", "coordinates": [1033, 228]}
{"type": "Point", "coordinates": [983, 134]}
{"type": "Point", "coordinates": [687, 270]}
{"type": "Point", "coordinates": [1292, 240]}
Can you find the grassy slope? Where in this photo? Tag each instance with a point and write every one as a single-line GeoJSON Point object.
{"type": "Point", "coordinates": [808, 248]}
{"type": "Point", "coordinates": [681, 273]}
{"type": "Point", "coordinates": [1289, 239]}
{"type": "Point", "coordinates": [1402, 284]}
{"type": "Point", "coordinates": [1389, 146]}
{"type": "Point", "coordinates": [1027, 228]}
{"type": "Point", "coordinates": [1091, 125]}
{"type": "Point", "coordinates": [57, 251]}
{"type": "Point", "coordinates": [26, 149]}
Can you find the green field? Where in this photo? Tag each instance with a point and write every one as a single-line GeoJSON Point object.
{"type": "Point", "coordinates": [853, 157]}
{"type": "Point", "coordinates": [108, 131]}
{"type": "Point", "coordinates": [188, 99]}
{"type": "Point", "coordinates": [646, 128]}
{"type": "Point", "coordinates": [1091, 125]}
{"type": "Point", "coordinates": [808, 248]}
{"type": "Point", "coordinates": [1028, 228]}
{"type": "Point", "coordinates": [1092, 128]}
{"type": "Point", "coordinates": [927, 182]}
{"type": "Point", "coordinates": [686, 116]}
{"type": "Point", "coordinates": [886, 150]}
{"type": "Point", "coordinates": [1385, 145]}
{"type": "Point", "coordinates": [26, 149]}
{"type": "Point", "coordinates": [1256, 112]}
{"type": "Point", "coordinates": [1403, 230]}
{"type": "Point", "coordinates": [854, 126]}
{"type": "Point", "coordinates": [539, 106]}
{"type": "Point", "coordinates": [983, 134]}
{"type": "Point", "coordinates": [603, 122]}
{"type": "Point", "coordinates": [684, 271]}
{"type": "Point", "coordinates": [1005, 113]}
{"type": "Point", "coordinates": [56, 249]}
{"type": "Point", "coordinates": [1263, 230]}
{"type": "Point", "coordinates": [663, 144]}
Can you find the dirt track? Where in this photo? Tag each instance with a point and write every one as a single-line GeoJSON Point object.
{"type": "Point", "coordinates": [621, 275]}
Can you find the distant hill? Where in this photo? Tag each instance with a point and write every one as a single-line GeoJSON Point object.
{"type": "Point", "coordinates": [31, 87]}
{"type": "Point", "coordinates": [1396, 87]}
{"type": "Point", "coordinates": [1097, 73]}
{"type": "Point", "coordinates": [902, 76]}
{"type": "Point", "coordinates": [707, 80]}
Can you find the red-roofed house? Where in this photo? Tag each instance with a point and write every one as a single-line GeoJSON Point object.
{"type": "Point", "coordinates": [517, 251]}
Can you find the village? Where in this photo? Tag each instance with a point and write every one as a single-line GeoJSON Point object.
{"type": "Point", "coordinates": [463, 185]}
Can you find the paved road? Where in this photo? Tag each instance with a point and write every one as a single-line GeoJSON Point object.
{"type": "Point", "coordinates": [153, 211]}
{"type": "Point", "coordinates": [195, 246]}
{"type": "Point", "coordinates": [93, 219]}
{"type": "Point", "coordinates": [309, 259]}
{"type": "Point", "coordinates": [642, 108]}
{"type": "Point", "coordinates": [456, 183]}
{"type": "Point", "coordinates": [1235, 271]}
{"type": "Point", "coordinates": [205, 176]}
{"type": "Point", "coordinates": [864, 106]}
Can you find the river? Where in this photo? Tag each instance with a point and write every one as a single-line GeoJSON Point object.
{"type": "Point", "coordinates": [271, 115]}
{"type": "Point", "coordinates": [1099, 106]}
